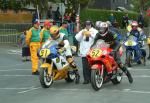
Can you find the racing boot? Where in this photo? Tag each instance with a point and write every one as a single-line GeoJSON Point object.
{"type": "Point", "coordinates": [75, 69]}
{"type": "Point", "coordinates": [126, 71]}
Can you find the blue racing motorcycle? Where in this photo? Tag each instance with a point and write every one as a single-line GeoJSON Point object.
{"type": "Point", "coordinates": [134, 51]}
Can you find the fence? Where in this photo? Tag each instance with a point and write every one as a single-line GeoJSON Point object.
{"type": "Point", "coordinates": [11, 39]}
{"type": "Point", "coordinates": [9, 33]}
{"type": "Point", "coordinates": [13, 28]}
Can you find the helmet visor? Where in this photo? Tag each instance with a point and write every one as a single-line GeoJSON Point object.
{"type": "Point", "coordinates": [102, 29]}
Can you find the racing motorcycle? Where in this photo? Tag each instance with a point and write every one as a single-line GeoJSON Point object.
{"type": "Point", "coordinates": [134, 51]}
{"type": "Point", "coordinates": [103, 66]}
{"type": "Point", "coordinates": [54, 65]}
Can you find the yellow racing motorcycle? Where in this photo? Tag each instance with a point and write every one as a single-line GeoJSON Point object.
{"type": "Point", "coordinates": [54, 65]}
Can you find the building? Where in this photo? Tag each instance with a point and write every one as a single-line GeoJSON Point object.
{"type": "Point", "coordinates": [110, 4]}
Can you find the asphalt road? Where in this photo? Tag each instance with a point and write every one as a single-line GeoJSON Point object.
{"type": "Point", "coordinates": [17, 85]}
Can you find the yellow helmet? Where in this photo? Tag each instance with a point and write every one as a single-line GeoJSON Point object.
{"type": "Point", "coordinates": [54, 31]}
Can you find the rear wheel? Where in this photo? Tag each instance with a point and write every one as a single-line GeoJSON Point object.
{"type": "Point", "coordinates": [70, 76]}
{"type": "Point", "coordinates": [143, 60]}
{"type": "Point", "coordinates": [118, 77]}
{"type": "Point", "coordinates": [129, 59]}
{"type": "Point", "coordinates": [96, 79]}
{"type": "Point", "coordinates": [45, 79]}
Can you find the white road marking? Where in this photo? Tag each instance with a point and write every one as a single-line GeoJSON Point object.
{"type": "Point", "coordinates": [138, 69]}
{"type": "Point", "coordinates": [16, 75]}
{"type": "Point", "coordinates": [13, 65]}
{"type": "Point", "coordinates": [15, 51]}
{"type": "Point", "coordinates": [132, 91]}
{"type": "Point", "coordinates": [15, 70]}
{"type": "Point", "coordinates": [31, 89]}
{"type": "Point", "coordinates": [140, 76]}
{"type": "Point", "coordinates": [22, 88]}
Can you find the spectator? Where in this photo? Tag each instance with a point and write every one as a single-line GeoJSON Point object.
{"type": "Point", "coordinates": [141, 20]}
{"type": "Point", "coordinates": [25, 48]}
{"type": "Point", "coordinates": [112, 18]}
{"type": "Point", "coordinates": [70, 31]}
{"type": "Point", "coordinates": [125, 21]}
{"type": "Point", "coordinates": [34, 17]}
{"type": "Point", "coordinates": [73, 20]}
{"type": "Point", "coordinates": [57, 16]}
{"type": "Point", "coordinates": [49, 13]}
{"type": "Point", "coordinates": [63, 28]}
{"type": "Point", "coordinates": [86, 38]}
{"type": "Point", "coordinates": [33, 40]}
{"type": "Point", "coordinates": [148, 42]}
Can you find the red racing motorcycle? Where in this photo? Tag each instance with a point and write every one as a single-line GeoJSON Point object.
{"type": "Point", "coordinates": [103, 66]}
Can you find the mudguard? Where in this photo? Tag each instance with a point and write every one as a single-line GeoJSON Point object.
{"type": "Point", "coordinates": [96, 66]}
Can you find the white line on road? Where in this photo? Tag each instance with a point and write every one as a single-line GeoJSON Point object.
{"type": "Point", "coordinates": [16, 75]}
{"type": "Point", "coordinates": [13, 65]}
{"type": "Point", "coordinates": [22, 88]}
{"type": "Point", "coordinates": [5, 70]}
{"type": "Point", "coordinates": [132, 91]}
{"type": "Point", "coordinates": [31, 89]}
{"type": "Point", "coordinates": [138, 69]}
{"type": "Point", "coordinates": [140, 76]}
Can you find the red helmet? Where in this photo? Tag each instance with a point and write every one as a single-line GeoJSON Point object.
{"type": "Point", "coordinates": [134, 25]}
{"type": "Point", "coordinates": [47, 23]}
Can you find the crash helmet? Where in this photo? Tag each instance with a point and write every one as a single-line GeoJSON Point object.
{"type": "Point", "coordinates": [97, 23]}
{"type": "Point", "coordinates": [54, 31]}
{"type": "Point", "coordinates": [47, 23]}
{"type": "Point", "coordinates": [134, 25]}
{"type": "Point", "coordinates": [103, 28]}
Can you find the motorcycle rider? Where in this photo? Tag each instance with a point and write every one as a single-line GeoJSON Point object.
{"type": "Point", "coordinates": [64, 45]}
{"type": "Point", "coordinates": [137, 32]}
{"type": "Point", "coordinates": [110, 37]}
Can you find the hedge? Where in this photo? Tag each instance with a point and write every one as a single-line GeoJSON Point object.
{"type": "Point", "coordinates": [15, 18]}
{"type": "Point", "coordinates": [103, 15]}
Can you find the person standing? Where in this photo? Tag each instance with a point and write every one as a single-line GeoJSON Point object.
{"type": "Point", "coordinates": [148, 43]}
{"type": "Point", "coordinates": [49, 13]}
{"type": "Point", "coordinates": [112, 19]}
{"type": "Point", "coordinates": [141, 20]}
{"type": "Point", "coordinates": [125, 21]}
{"type": "Point", "coordinates": [25, 47]}
{"type": "Point", "coordinates": [33, 40]}
{"type": "Point", "coordinates": [57, 16]}
{"type": "Point", "coordinates": [86, 38]}
{"type": "Point", "coordinates": [45, 34]}
{"type": "Point", "coordinates": [63, 28]}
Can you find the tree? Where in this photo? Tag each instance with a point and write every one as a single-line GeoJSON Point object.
{"type": "Point", "coordinates": [140, 5]}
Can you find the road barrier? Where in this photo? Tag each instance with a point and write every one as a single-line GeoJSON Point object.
{"type": "Point", "coordinates": [9, 39]}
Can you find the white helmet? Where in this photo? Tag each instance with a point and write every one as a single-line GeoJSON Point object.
{"type": "Point", "coordinates": [97, 23]}
{"type": "Point", "coordinates": [103, 28]}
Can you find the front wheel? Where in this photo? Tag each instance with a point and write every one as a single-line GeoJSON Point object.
{"type": "Point", "coordinates": [96, 79]}
{"type": "Point", "coordinates": [45, 79]}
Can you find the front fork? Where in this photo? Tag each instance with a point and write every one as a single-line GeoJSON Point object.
{"type": "Point", "coordinates": [45, 65]}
